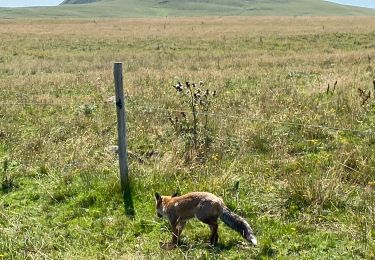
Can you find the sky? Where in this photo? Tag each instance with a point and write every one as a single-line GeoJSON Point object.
{"type": "Point", "coordinates": [364, 3]}
{"type": "Point", "coordinates": [20, 3]}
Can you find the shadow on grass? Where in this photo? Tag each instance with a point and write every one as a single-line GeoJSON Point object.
{"type": "Point", "coordinates": [128, 200]}
{"type": "Point", "coordinates": [218, 248]}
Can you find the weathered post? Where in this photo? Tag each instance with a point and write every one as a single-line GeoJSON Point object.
{"type": "Point", "coordinates": [122, 143]}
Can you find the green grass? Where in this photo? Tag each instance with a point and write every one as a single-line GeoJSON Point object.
{"type": "Point", "coordinates": [172, 8]}
{"type": "Point", "coordinates": [307, 192]}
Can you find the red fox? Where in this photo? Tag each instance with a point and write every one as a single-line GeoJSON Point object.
{"type": "Point", "coordinates": [204, 206]}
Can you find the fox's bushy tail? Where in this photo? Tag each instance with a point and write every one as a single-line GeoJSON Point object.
{"type": "Point", "coordinates": [238, 224]}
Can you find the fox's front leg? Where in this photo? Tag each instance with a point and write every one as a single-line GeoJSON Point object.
{"type": "Point", "coordinates": [177, 230]}
{"type": "Point", "coordinates": [175, 237]}
{"type": "Point", "coordinates": [175, 234]}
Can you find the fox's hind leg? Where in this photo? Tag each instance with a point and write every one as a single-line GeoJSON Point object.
{"type": "Point", "coordinates": [212, 223]}
{"type": "Point", "coordinates": [208, 212]}
{"type": "Point", "coordinates": [214, 235]}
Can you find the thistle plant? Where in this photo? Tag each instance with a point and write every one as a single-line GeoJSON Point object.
{"type": "Point", "coordinates": [193, 124]}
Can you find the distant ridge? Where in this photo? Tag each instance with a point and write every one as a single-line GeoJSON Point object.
{"type": "Point", "coordinates": [162, 8]}
{"type": "Point", "coordinates": [70, 2]}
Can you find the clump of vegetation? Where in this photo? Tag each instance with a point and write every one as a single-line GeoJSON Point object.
{"type": "Point", "coordinates": [7, 183]}
{"type": "Point", "coordinates": [309, 190]}
{"type": "Point", "coordinates": [192, 124]}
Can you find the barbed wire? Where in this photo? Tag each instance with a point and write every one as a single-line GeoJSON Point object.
{"type": "Point", "coordinates": [220, 115]}
{"type": "Point", "coordinates": [333, 128]}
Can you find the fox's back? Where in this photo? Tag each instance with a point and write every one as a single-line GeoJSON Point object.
{"type": "Point", "coordinates": [197, 204]}
{"type": "Point", "coordinates": [197, 197]}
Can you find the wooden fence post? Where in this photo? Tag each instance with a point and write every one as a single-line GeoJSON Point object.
{"type": "Point", "coordinates": [122, 142]}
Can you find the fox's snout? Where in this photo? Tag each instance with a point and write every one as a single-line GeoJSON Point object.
{"type": "Point", "coordinates": [159, 201]}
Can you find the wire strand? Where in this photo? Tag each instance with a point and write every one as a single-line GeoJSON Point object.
{"type": "Point", "coordinates": [333, 128]}
{"type": "Point", "coordinates": [221, 115]}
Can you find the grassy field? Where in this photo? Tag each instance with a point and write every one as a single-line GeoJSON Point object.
{"type": "Point", "coordinates": [173, 8]}
{"type": "Point", "coordinates": [307, 191]}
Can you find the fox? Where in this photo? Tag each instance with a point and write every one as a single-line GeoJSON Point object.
{"type": "Point", "coordinates": [206, 207]}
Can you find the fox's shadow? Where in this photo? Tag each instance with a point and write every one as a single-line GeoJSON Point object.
{"type": "Point", "coordinates": [220, 247]}
{"type": "Point", "coordinates": [185, 246]}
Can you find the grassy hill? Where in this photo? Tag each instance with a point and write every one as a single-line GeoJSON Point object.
{"type": "Point", "coordinates": [147, 8]}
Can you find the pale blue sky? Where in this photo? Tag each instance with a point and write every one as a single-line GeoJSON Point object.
{"type": "Point", "coordinates": [364, 3]}
{"type": "Point", "coordinates": [19, 3]}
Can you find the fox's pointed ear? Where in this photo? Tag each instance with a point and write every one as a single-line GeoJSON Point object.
{"type": "Point", "coordinates": [157, 196]}
{"type": "Point", "coordinates": [176, 194]}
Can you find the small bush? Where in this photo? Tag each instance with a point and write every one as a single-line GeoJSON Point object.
{"type": "Point", "coordinates": [7, 183]}
{"type": "Point", "coordinates": [86, 109]}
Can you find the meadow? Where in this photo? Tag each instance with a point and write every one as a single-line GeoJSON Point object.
{"type": "Point", "coordinates": [295, 158]}
{"type": "Point", "coordinates": [164, 8]}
